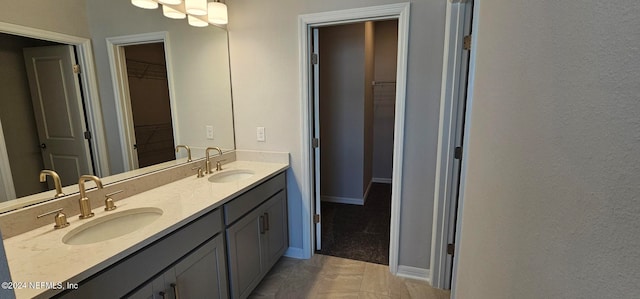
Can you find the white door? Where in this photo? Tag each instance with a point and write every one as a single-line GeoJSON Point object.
{"type": "Point", "coordinates": [315, 67]}
{"type": "Point", "coordinates": [57, 106]}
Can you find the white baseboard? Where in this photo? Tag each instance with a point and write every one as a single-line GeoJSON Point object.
{"type": "Point", "coordinates": [294, 252]}
{"type": "Point", "coordinates": [381, 180]}
{"type": "Point", "coordinates": [414, 273]}
{"type": "Point", "coordinates": [346, 200]}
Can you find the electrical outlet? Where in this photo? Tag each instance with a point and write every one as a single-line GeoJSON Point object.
{"type": "Point", "coordinates": [260, 134]}
{"type": "Point", "coordinates": [209, 132]}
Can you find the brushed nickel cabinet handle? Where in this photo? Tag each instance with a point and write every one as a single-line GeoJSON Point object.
{"type": "Point", "coordinates": [175, 290]}
{"type": "Point", "coordinates": [266, 221]}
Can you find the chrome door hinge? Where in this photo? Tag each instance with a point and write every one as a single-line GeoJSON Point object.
{"type": "Point", "coordinates": [314, 58]}
{"type": "Point", "coordinates": [76, 69]}
{"type": "Point", "coordinates": [451, 248]}
{"type": "Point", "coordinates": [315, 142]}
{"type": "Point", "coordinates": [87, 135]}
{"type": "Point", "coordinates": [467, 42]}
{"type": "Point", "coordinates": [458, 153]}
{"type": "Point", "coordinates": [316, 218]}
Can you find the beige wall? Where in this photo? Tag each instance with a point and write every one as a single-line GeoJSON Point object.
{"type": "Point", "coordinates": [386, 52]}
{"type": "Point", "coordinates": [64, 16]}
{"type": "Point", "coordinates": [369, 70]}
{"type": "Point", "coordinates": [264, 59]}
{"type": "Point", "coordinates": [551, 201]}
{"type": "Point", "coordinates": [17, 117]}
{"type": "Point", "coordinates": [342, 117]}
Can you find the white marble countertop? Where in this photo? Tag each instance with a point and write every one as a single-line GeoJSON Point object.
{"type": "Point", "coordinates": [41, 256]}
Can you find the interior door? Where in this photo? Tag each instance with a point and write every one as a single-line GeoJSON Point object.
{"type": "Point", "coordinates": [315, 69]}
{"type": "Point", "coordinates": [459, 135]}
{"type": "Point", "coordinates": [58, 110]}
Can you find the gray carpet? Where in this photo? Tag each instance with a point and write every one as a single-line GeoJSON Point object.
{"type": "Point", "coordinates": [359, 232]}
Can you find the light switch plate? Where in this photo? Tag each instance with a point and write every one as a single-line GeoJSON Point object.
{"type": "Point", "coordinates": [260, 134]}
{"type": "Point", "coordinates": [209, 132]}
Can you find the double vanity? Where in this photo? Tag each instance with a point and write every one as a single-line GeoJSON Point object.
{"type": "Point", "coordinates": [214, 236]}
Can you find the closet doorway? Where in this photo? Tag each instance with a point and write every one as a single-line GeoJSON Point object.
{"type": "Point", "coordinates": [140, 70]}
{"type": "Point", "coordinates": [355, 70]}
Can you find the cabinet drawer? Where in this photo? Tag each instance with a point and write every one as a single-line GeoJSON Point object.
{"type": "Point", "coordinates": [253, 198]}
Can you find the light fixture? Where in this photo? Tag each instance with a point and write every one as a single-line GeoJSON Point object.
{"type": "Point", "coordinates": [146, 4]}
{"type": "Point", "coordinates": [199, 13]}
{"type": "Point", "coordinates": [171, 13]}
{"type": "Point", "coordinates": [196, 22]}
{"type": "Point", "coordinates": [170, 2]}
{"type": "Point", "coordinates": [196, 7]}
{"type": "Point", "coordinates": [217, 13]}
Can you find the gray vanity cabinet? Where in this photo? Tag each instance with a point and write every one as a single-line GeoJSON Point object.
{"type": "Point", "coordinates": [256, 240]}
{"type": "Point", "coordinates": [192, 258]}
{"type": "Point", "coordinates": [201, 274]}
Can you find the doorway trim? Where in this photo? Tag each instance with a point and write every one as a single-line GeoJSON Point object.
{"type": "Point", "coordinates": [399, 11]}
{"type": "Point", "coordinates": [88, 81]}
{"type": "Point", "coordinates": [453, 94]}
{"type": "Point", "coordinates": [121, 90]}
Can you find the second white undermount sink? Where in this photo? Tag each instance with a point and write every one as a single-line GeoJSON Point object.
{"type": "Point", "coordinates": [112, 226]}
{"type": "Point", "coordinates": [231, 176]}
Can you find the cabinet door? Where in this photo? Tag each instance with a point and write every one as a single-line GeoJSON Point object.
{"type": "Point", "coordinates": [275, 213]}
{"type": "Point", "coordinates": [201, 274]}
{"type": "Point", "coordinates": [244, 239]}
{"type": "Point", "coordinates": [151, 290]}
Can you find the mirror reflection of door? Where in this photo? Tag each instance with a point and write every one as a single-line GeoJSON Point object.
{"type": "Point", "coordinates": [21, 155]}
{"type": "Point", "coordinates": [150, 105]}
{"type": "Point", "coordinates": [58, 111]}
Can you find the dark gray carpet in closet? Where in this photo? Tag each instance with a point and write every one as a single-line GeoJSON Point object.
{"type": "Point", "coordinates": [359, 232]}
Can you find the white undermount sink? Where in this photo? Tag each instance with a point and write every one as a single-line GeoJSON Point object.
{"type": "Point", "coordinates": [112, 226]}
{"type": "Point", "coordinates": [231, 176]}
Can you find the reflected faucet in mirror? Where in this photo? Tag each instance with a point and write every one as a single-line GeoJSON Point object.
{"type": "Point", "coordinates": [56, 180]}
{"type": "Point", "coordinates": [207, 168]}
{"type": "Point", "coordinates": [85, 205]}
{"type": "Point", "coordinates": [188, 151]}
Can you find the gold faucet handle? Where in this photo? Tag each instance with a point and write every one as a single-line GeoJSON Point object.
{"type": "Point", "coordinates": [200, 172]}
{"type": "Point", "coordinates": [60, 218]}
{"type": "Point", "coordinates": [108, 201]}
{"type": "Point", "coordinates": [219, 165]}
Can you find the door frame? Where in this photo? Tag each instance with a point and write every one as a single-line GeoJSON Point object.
{"type": "Point", "coordinates": [122, 97]}
{"type": "Point", "coordinates": [399, 11]}
{"type": "Point", "coordinates": [458, 19]}
{"type": "Point", "coordinates": [88, 81]}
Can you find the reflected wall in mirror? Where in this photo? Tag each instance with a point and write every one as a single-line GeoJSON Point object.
{"type": "Point", "coordinates": [198, 82]}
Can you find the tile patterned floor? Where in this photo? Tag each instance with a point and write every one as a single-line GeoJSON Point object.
{"type": "Point", "coordinates": [332, 277]}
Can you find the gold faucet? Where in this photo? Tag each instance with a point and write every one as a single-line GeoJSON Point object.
{"type": "Point", "coordinates": [85, 205]}
{"type": "Point", "coordinates": [188, 151]}
{"type": "Point", "coordinates": [207, 168]}
{"type": "Point", "coordinates": [56, 180]}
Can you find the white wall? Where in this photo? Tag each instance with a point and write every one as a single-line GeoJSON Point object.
{"type": "Point", "coordinates": [384, 97]}
{"type": "Point", "coordinates": [68, 16]}
{"type": "Point", "coordinates": [17, 116]}
{"type": "Point", "coordinates": [264, 58]}
{"type": "Point", "coordinates": [200, 65]}
{"type": "Point", "coordinates": [369, 70]}
{"type": "Point", "coordinates": [342, 105]}
{"type": "Point", "coordinates": [551, 203]}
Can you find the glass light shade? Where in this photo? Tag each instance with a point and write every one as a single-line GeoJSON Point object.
{"type": "Point", "coordinates": [196, 7]}
{"type": "Point", "coordinates": [146, 4]}
{"type": "Point", "coordinates": [195, 22]}
{"type": "Point", "coordinates": [217, 13]}
{"type": "Point", "coordinates": [170, 2]}
{"type": "Point", "coordinates": [172, 13]}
